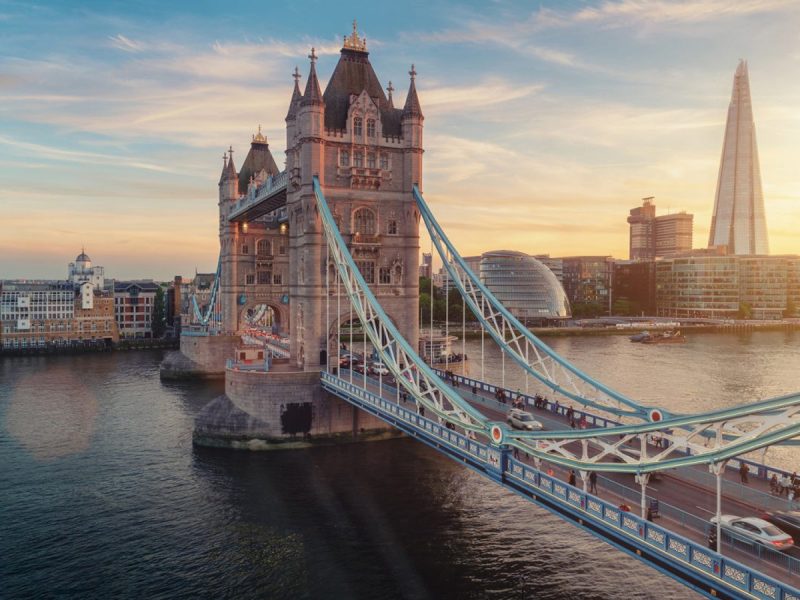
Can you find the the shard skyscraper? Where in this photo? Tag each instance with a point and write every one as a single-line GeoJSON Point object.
{"type": "Point", "coordinates": [738, 220]}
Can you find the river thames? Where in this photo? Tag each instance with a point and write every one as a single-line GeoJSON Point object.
{"type": "Point", "coordinates": [103, 494]}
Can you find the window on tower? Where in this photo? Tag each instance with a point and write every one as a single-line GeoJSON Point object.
{"type": "Point", "coordinates": [371, 127]}
{"type": "Point", "coordinates": [367, 269]}
{"type": "Point", "coordinates": [386, 275]}
{"type": "Point", "coordinates": [264, 248]}
{"type": "Point", "coordinates": [357, 127]}
{"type": "Point", "coordinates": [391, 227]}
{"type": "Point", "coordinates": [358, 159]}
{"type": "Point", "coordinates": [371, 160]}
{"type": "Point", "coordinates": [384, 161]}
{"type": "Point", "coordinates": [364, 222]}
{"type": "Point", "coordinates": [344, 158]}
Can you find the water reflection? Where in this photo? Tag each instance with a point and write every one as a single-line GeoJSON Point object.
{"type": "Point", "coordinates": [51, 413]}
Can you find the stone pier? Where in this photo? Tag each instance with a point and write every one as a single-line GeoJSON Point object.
{"type": "Point", "coordinates": [200, 357]}
{"type": "Point", "coordinates": [281, 408]}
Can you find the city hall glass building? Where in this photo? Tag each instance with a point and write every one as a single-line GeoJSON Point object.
{"type": "Point", "coordinates": [524, 285]}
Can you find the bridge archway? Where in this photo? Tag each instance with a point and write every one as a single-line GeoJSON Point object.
{"type": "Point", "coordinates": [334, 349]}
{"type": "Point", "coordinates": [266, 315]}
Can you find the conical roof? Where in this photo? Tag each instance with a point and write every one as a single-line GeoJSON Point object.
{"type": "Point", "coordinates": [230, 168]}
{"type": "Point", "coordinates": [412, 107]}
{"type": "Point", "coordinates": [352, 75]}
{"type": "Point", "coordinates": [312, 95]}
{"type": "Point", "coordinates": [258, 158]}
{"type": "Point", "coordinates": [297, 96]}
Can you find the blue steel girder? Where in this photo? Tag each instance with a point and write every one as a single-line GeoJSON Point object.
{"type": "Point", "coordinates": [204, 318]}
{"type": "Point", "coordinates": [534, 356]}
{"type": "Point", "coordinates": [395, 352]}
{"type": "Point", "coordinates": [733, 431]}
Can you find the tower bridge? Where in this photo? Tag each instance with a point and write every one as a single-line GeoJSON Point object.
{"type": "Point", "coordinates": [332, 242]}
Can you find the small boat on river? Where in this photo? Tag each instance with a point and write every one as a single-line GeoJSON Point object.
{"type": "Point", "coordinates": [667, 337]}
{"type": "Point", "coordinates": [640, 337]}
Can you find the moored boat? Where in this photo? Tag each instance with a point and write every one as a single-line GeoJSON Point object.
{"type": "Point", "coordinates": [667, 337]}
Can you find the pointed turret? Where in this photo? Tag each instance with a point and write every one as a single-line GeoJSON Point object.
{"type": "Point", "coordinates": [230, 168]}
{"type": "Point", "coordinates": [390, 89]}
{"type": "Point", "coordinates": [313, 94]}
{"type": "Point", "coordinates": [229, 180]}
{"type": "Point", "coordinates": [412, 107]}
{"type": "Point", "coordinates": [297, 96]}
{"type": "Point", "coordinates": [224, 167]}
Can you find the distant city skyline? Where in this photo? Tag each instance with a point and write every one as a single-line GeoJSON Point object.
{"type": "Point", "coordinates": [543, 127]}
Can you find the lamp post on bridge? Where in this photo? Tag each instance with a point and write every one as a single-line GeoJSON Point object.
{"type": "Point", "coordinates": [718, 468]}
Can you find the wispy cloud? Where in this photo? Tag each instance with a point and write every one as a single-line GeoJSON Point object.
{"type": "Point", "coordinates": [77, 156]}
{"type": "Point", "coordinates": [122, 42]}
{"type": "Point", "coordinates": [629, 12]}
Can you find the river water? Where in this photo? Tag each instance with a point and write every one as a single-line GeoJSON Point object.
{"type": "Point", "coordinates": [103, 495]}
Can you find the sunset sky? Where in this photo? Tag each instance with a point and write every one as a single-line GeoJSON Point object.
{"type": "Point", "coordinates": [543, 126]}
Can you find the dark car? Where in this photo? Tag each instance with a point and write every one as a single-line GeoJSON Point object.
{"type": "Point", "coordinates": [788, 521]}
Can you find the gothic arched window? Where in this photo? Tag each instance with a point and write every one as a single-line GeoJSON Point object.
{"type": "Point", "coordinates": [364, 222]}
{"type": "Point", "coordinates": [357, 126]}
{"type": "Point", "coordinates": [344, 158]}
{"type": "Point", "coordinates": [371, 127]}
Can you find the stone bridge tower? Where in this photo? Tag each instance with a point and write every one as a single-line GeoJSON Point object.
{"type": "Point", "coordinates": [254, 255]}
{"type": "Point", "coordinates": [367, 155]}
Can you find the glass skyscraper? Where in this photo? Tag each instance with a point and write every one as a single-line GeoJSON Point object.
{"type": "Point", "coordinates": [738, 220]}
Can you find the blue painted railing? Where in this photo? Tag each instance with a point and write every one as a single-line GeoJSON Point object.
{"type": "Point", "coordinates": [705, 570]}
{"type": "Point", "coordinates": [759, 470]}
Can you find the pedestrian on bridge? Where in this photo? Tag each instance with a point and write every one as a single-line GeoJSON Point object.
{"type": "Point", "coordinates": [592, 482]}
{"type": "Point", "coordinates": [743, 471]}
{"type": "Point", "coordinates": [571, 480]}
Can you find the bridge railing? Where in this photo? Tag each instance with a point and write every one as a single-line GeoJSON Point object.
{"type": "Point", "coordinates": [757, 469]}
{"type": "Point", "coordinates": [531, 482]}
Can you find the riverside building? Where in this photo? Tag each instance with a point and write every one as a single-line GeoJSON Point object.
{"type": "Point", "coordinates": [133, 308]}
{"type": "Point", "coordinates": [46, 314]}
{"type": "Point", "coordinates": [587, 282]}
{"type": "Point", "coordinates": [655, 237]}
{"type": "Point", "coordinates": [728, 286]}
{"type": "Point", "coordinates": [525, 286]}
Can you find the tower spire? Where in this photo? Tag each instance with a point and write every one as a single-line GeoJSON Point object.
{"type": "Point", "coordinates": [297, 96]}
{"type": "Point", "coordinates": [312, 95]}
{"type": "Point", "coordinates": [230, 170]}
{"type": "Point", "coordinates": [390, 89]}
{"type": "Point", "coordinates": [412, 107]}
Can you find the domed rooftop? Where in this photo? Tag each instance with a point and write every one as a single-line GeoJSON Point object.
{"type": "Point", "coordinates": [526, 287]}
{"type": "Point", "coordinates": [83, 257]}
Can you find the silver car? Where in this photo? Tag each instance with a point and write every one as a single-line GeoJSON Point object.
{"type": "Point", "coordinates": [519, 419]}
{"type": "Point", "coordinates": [753, 529]}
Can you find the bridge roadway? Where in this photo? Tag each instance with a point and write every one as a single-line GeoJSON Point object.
{"type": "Point", "coordinates": [685, 505]}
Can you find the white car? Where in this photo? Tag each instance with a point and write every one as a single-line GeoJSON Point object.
{"type": "Point", "coordinates": [753, 529]}
{"type": "Point", "coordinates": [379, 368]}
{"type": "Point", "coordinates": [519, 419]}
